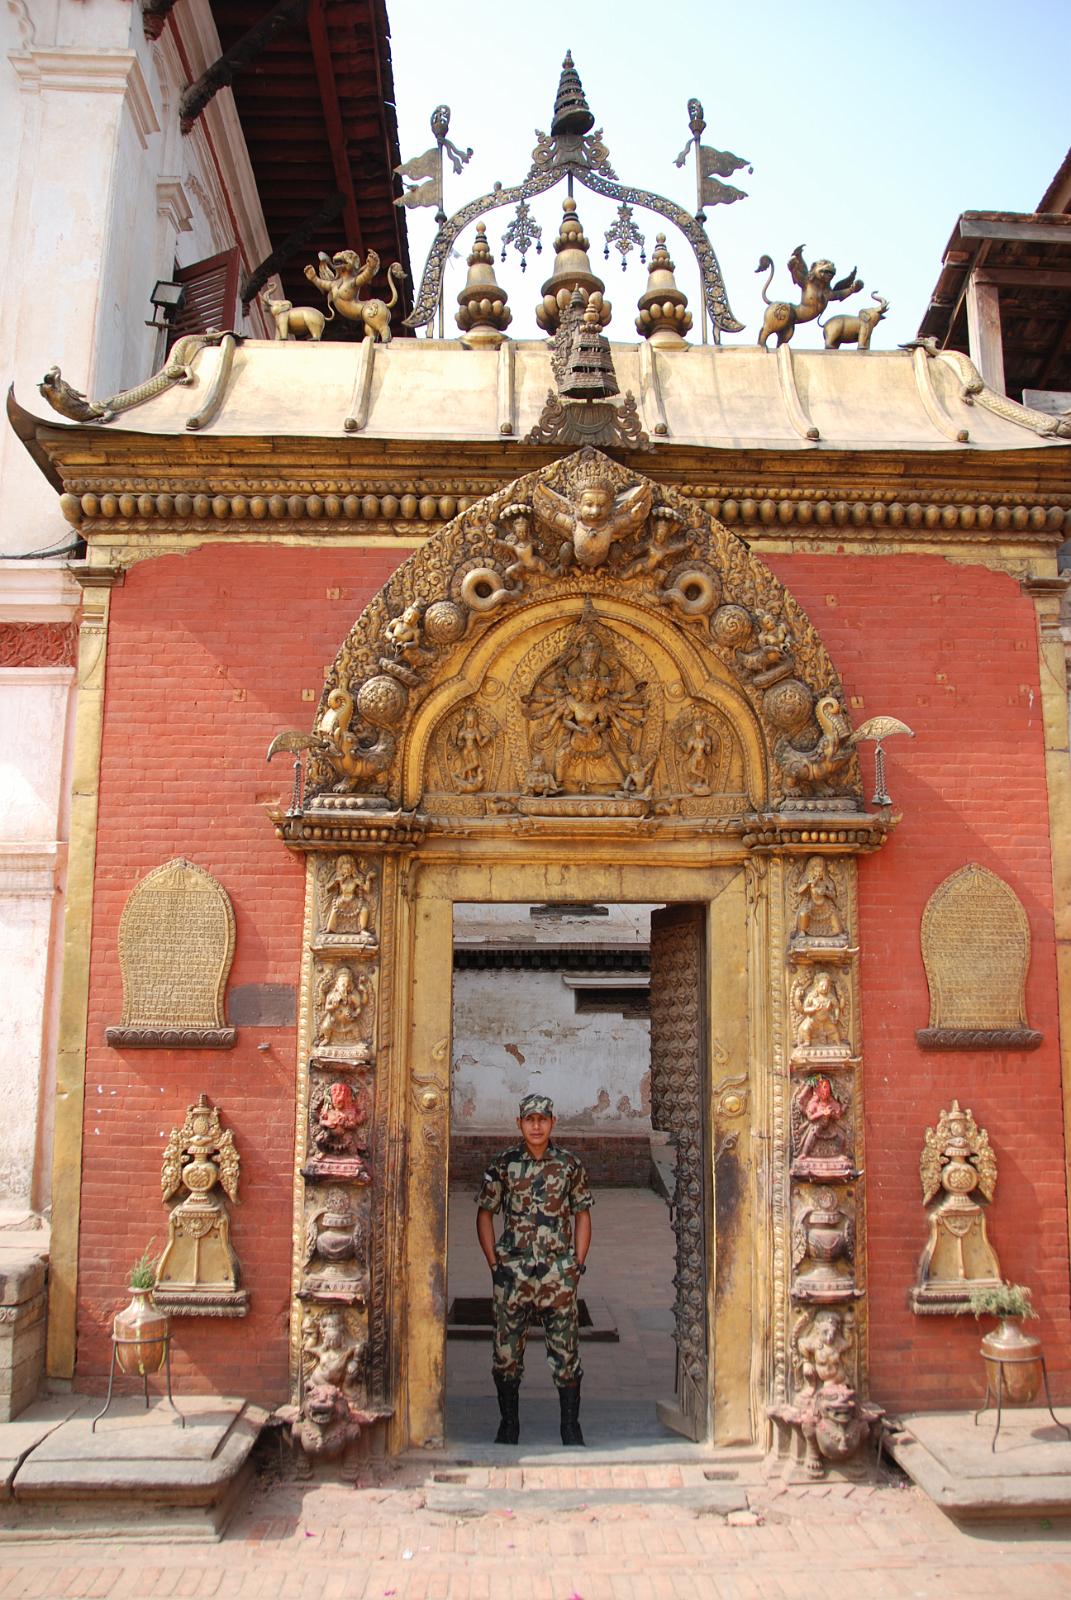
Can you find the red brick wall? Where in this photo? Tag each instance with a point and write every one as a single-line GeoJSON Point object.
{"type": "Point", "coordinates": [208, 656]}
{"type": "Point", "coordinates": [207, 659]}
{"type": "Point", "coordinates": [953, 651]}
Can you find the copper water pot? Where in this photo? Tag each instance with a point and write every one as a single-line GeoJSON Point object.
{"type": "Point", "coordinates": [1009, 1351]}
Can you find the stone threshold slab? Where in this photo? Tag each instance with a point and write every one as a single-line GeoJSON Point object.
{"type": "Point", "coordinates": [951, 1459]}
{"type": "Point", "coordinates": [141, 1475]}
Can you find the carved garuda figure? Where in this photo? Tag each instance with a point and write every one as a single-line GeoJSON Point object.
{"type": "Point", "coordinates": [594, 516]}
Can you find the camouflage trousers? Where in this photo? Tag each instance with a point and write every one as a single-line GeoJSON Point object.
{"type": "Point", "coordinates": [543, 1291]}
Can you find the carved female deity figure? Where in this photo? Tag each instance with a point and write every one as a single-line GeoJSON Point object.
{"type": "Point", "coordinates": [329, 1353]}
{"type": "Point", "coordinates": [821, 1151]}
{"type": "Point", "coordinates": [349, 896]}
{"type": "Point", "coordinates": [468, 741]}
{"type": "Point", "coordinates": [819, 1005]}
{"type": "Point", "coordinates": [818, 914]}
{"type": "Point", "coordinates": [698, 744]}
{"type": "Point", "coordinates": [824, 1343]}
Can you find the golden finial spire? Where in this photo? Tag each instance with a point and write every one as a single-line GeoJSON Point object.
{"type": "Point", "coordinates": [484, 314]}
{"type": "Point", "coordinates": [572, 270]}
{"type": "Point", "coordinates": [664, 316]}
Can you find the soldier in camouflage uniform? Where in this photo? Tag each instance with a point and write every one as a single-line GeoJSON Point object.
{"type": "Point", "coordinates": [542, 1191]}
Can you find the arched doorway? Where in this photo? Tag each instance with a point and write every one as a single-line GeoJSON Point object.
{"type": "Point", "coordinates": [584, 688]}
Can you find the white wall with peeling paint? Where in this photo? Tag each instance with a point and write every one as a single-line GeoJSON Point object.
{"type": "Point", "coordinates": [519, 1031]}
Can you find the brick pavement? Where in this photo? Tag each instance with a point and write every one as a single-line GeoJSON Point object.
{"type": "Point", "coordinates": [378, 1541]}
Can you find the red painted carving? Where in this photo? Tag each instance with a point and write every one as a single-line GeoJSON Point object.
{"type": "Point", "coordinates": [38, 644]}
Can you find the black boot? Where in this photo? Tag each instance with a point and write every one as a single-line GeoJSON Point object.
{"type": "Point", "coordinates": [509, 1394]}
{"type": "Point", "coordinates": [569, 1400]}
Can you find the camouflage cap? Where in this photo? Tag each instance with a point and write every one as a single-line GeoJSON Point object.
{"type": "Point", "coordinates": [537, 1103]}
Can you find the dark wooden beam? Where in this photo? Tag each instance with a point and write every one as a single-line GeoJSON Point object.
{"type": "Point", "coordinates": [1026, 277]}
{"type": "Point", "coordinates": [246, 49]}
{"type": "Point", "coordinates": [336, 133]}
{"type": "Point", "coordinates": [1026, 232]}
{"type": "Point", "coordinates": [331, 208]}
{"type": "Point", "coordinates": [1057, 355]}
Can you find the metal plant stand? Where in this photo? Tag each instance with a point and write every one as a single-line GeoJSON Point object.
{"type": "Point", "coordinates": [1000, 1365]}
{"type": "Point", "coordinates": [165, 1340]}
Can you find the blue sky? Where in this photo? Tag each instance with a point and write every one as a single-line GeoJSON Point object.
{"type": "Point", "coordinates": [869, 130]}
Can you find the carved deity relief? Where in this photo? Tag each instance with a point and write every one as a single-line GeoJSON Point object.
{"type": "Point", "coordinates": [821, 1132]}
{"type": "Point", "coordinates": [823, 1247]}
{"type": "Point", "coordinates": [957, 1159]}
{"type": "Point", "coordinates": [336, 1251]}
{"type": "Point", "coordinates": [976, 951]}
{"type": "Point", "coordinates": [820, 928]}
{"type": "Point", "coordinates": [340, 1111]}
{"type": "Point", "coordinates": [466, 755]}
{"type": "Point", "coordinates": [176, 945]}
{"type": "Point", "coordinates": [198, 1274]}
{"type": "Point", "coordinates": [347, 892]}
{"type": "Point", "coordinates": [345, 1015]}
{"type": "Point", "coordinates": [587, 719]}
{"type": "Point", "coordinates": [819, 1001]}
{"type": "Point", "coordinates": [823, 1348]}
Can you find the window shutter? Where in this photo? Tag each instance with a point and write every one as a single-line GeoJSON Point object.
{"type": "Point", "coordinates": [211, 296]}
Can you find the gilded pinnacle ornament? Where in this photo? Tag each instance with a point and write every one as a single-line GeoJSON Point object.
{"type": "Point", "coordinates": [571, 111]}
{"type": "Point", "coordinates": [586, 364]}
{"type": "Point", "coordinates": [484, 314]}
{"type": "Point", "coordinates": [572, 270]}
{"type": "Point", "coordinates": [664, 316]}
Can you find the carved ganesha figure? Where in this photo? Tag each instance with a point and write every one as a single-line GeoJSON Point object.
{"type": "Point", "coordinates": [343, 1000]}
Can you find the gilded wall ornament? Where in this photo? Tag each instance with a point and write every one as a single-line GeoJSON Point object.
{"type": "Point", "coordinates": [820, 1139]}
{"type": "Point", "coordinates": [339, 1116]}
{"type": "Point", "coordinates": [976, 951]}
{"type": "Point", "coordinates": [957, 1159]}
{"type": "Point", "coordinates": [176, 945]}
{"type": "Point", "coordinates": [823, 1248]}
{"type": "Point", "coordinates": [820, 1012]}
{"type": "Point", "coordinates": [198, 1274]}
{"type": "Point", "coordinates": [698, 742]}
{"type": "Point", "coordinates": [335, 1262]}
{"type": "Point", "coordinates": [345, 1004]}
{"type": "Point", "coordinates": [347, 894]}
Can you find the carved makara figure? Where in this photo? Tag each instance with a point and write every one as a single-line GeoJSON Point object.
{"type": "Point", "coordinates": [335, 1256]}
{"type": "Point", "coordinates": [823, 1236]}
{"type": "Point", "coordinates": [342, 1001]}
{"type": "Point", "coordinates": [958, 1159]}
{"type": "Point", "coordinates": [355, 758]}
{"type": "Point", "coordinates": [588, 713]}
{"type": "Point", "coordinates": [818, 916]}
{"type": "Point", "coordinates": [812, 771]}
{"type": "Point", "coordinates": [349, 894]}
{"type": "Point", "coordinates": [198, 1273]}
{"type": "Point", "coordinates": [341, 278]}
{"type": "Point", "coordinates": [594, 516]}
{"type": "Point", "coordinates": [819, 1142]}
{"type": "Point", "coordinates": [818, 287]}
{"type": "Point", "coordinates": [820, 1010]}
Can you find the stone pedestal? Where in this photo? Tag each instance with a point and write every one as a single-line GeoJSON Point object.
{"type": "Point", "coordinates": [23, 1298]}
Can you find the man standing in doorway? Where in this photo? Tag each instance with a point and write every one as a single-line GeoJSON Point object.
{"type": "Point", "coordinates": [536, 1266]}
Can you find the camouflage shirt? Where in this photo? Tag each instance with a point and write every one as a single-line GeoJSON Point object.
{"type": "Point", "coordinates": [537, 1198]}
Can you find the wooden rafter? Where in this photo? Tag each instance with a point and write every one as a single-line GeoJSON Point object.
{"type": "Point", "coordinates": [336, 133]}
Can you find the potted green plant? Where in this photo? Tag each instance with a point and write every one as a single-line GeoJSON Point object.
{"type": "Point", "coordinates": [140, 1329]}
{"type": "Point", "coordinates": [1012, 1358]}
